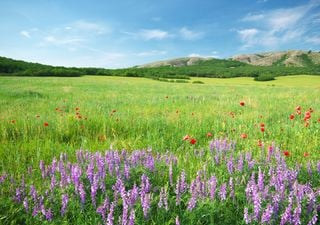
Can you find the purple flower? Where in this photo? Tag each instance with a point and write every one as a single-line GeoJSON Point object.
{"type": "Point", "coordinates": [177, 220]}
{"type": "Point", "coordinates": [296, 215]}
{"type": "Point", "coordinates": [183, 184]}
{"type": "Point", "coordinates": [90, 170]}
{"type": "Point", "coordinates": [212, 184]}
{"type": "Point", "coordinates": [230, 165]}
{"type": "Point", "coordinates": [163, 201]}
{"type": "Point", "coordinates": [246, 216]}
{"type": "Point", "coordinates": [177, 192]}
{"type": "Point", "coordinates": [286, 216]}
{"type": "Point", "coordinates": [170, 174]}
{"type": "Point", "coordinates": [33, 193]}
{"type": "Point", "coordinates": [223, 192]}
{"type": "Point", "coordinates": [318, 166]}
{"type": "Point", "coordinates": [314, 219]}
{"type": "Point", "coordinates": [145, 184]}
{"type": "Point", "coordinates": [110, 214]}
{"type": "Point", "coordinates": [25, 204]}
{"type": "Point", "coordinates": [53, 183]}
{"type": "Point", "coordinates": [3, 178]}
{"type": "Point", "coordinates": [267, 214]}
{"type": "Point", "coordinates": [94, 188]}
{"type": "Point", "coordinates": [231, 188]}
{"type": "Point", "coordinates": [145, 203]}
{"type": "Point", "coordinates": [82, 193]}
{"type": "Point", "coordinates": [260, 180]}
{"type": "Point", "coordinates": [49, 215]}
{"type": "Point", "coordinates": [240, 163]}
{"type": "Point", "coordinates": [103, 208]}
{"type": "Point", "coordinates": [42, 168]}
{"type": "Point", "coordinates": [131, 217]}
{"type": "Point", "coordinates": [133, 195]}
{"type": "Point", "coordinates": [65, 200]}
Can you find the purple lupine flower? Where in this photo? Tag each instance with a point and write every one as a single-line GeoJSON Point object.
{"type": "Point", "coordinates": [309, 168]}
{"type": "Point", "coordinates": [133, 195]}
{"type": "Point", "coordinates": [145, 203]}
{"type": "Point", "coordinates": [240, 163]}
{"type": "Point", "coordinates": [177, 191]}
{"type": "Point", "coordinates": [256, 202]}
{"type": "Point", "coordinates": [145, 183]}
{"type": "Point", "coordinates": [125, 211]}
{"type": "Point", "coordinates": [192, 203]}
{"type": "Point", "coordinates": [18, 196]}
{"type": "Point", "coordinates": [177, 220]}
{"type": "Point", "coordinates": [110, 214]}
{"type": "Point", "coordinates": [231, 187]}
{"type": "Point", "coordinates": [82, 193]}
{"type": "Point", "coordinates": [212, 186]}
{"type": "Point", "coordinates": [90, 170]}
{"type": "Point", "coordinates": [275, 203]}
{"type": "Point", "coordinates": [183, 184]}
{"type": "Point", "coordinates": [246, 216]}
{"type": "Point", "coordinates": [170, 174]}
{"type": "Point", "coordinates": [94, 188]}
{"type": "Point", "coordinates": [296, 215]}
{"type": "Point", "coordinates": [33, 193]}
{"type": "Point", "coordinates": [131, 217]}
{"type": "Point", "coordinates": [65, 200]}
{"type": "Point", "coordinates": [53, 166]}
{"type": "Point", "coordinates": [25, 204]}
{"type": "Point", "coordinates": [76, 173]}
{"type": "Point", "coordinates": [163, 201]}
{"type": "Point", "coordinates": [314, 219]}
{"type": "Point", "coordinates": [103, 208]}
{"type": "Point", "coordinates": [149, 162]}
{"type": "Point", "coordinates": [267, 214]}
{"type": "Point", "coordinates": [53, 183]}
{"type": "Point", "coordinates": [318, 166]}
{"type": "Point", "coordinates": [126, 170]}
{"type": "Point", "coordinates": [42, 168]}
{"type": "Point", "coordinates": [286, 216]}
{"type": "Point", "coordinates": [35, 211]}
{"type": "Point", "coordinates": [49, 215]}
{"type": "Point", "coordinates": [230, 165]}
{"type": "Point", "coordinates": [260, 180]}
{"type": "Point", "coordinates": [3, 178]}
{"type": "Point", "coordinates": [223, 192]}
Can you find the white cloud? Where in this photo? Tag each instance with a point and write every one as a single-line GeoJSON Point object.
{"type": "Point", "coordinates": [313, 40]}
{"type": "Point", "coordinates": [153, 34]}
{"type": "Point", "coordinates": [212, 55]}
{"type": "Point", "coordinates": [151, 53]}
{"type": "Point", "coordinates": [62, 41]}
{"type": "Point", "coordinates": [189, 34]}
{"type": "Point", "coordinates": [280, 26]}
{"type": "Point", "coordinates": [85, 26]}
{"type": "Point", "coordinates": [25, 33]}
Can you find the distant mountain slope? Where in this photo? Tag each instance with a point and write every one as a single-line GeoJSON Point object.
{"type": "Point", "coordinates": [185, 61]}
{"type": "Point", "coordinates": [295, 58]}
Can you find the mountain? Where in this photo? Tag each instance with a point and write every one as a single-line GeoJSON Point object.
{"type": "Point", "coordinates": [178, 62]}
{"type": "Point", "coordinates": [295, 58]}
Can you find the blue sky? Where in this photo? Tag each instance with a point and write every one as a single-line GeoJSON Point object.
{"type": "Point", "coordinates": [123, 33]}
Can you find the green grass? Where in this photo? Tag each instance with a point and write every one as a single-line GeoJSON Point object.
{"type": "Point", "coordinates": [140, 113]}
{"type": "Point", "coordinates": [144, 117]}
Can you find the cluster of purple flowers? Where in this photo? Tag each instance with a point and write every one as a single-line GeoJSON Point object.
{"type": "Point", "coordinates": [107, 182]}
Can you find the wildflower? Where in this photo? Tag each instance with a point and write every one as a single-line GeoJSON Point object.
{"type": "Point", "coordinates": [77, 108]}
{"type": "Point", "coordinates": [262, 129]}
{"type": "Point", "coordinates": [286, 153]}
{"type": "Point", "coordinates": [65, 200]}
{"type": "Point", "coordinates": [307, 115]}
{"type": "Point", "coordinates": [244, 136]}
{"type": "Point", "coordinates": [267, 214]}
{"type": "Point", "coordinates": [186, 137]}
{"type": "Point", "coordinates": [177, 220]}
{"type": "Point", "coordinates": [306, 154]}
{"type": "Point", "coordinates": [223, 192]}
{"type": "Point", "coordinates": [298, 108]}
{"type": "Point", "coordinates": [291, 116]}
{"type": "Point", "coordinates": [262, 125]}
{"type": "Point", "coordinates": [193, 141]}
{"type": "Point", "coordinates": [45, 124]}
{"type": "Point", "coordinates": [209, 134]}
{"type": "Point", "coordinates": [242, 103]}
{"type": "Point", "coordinates": [246, 216]}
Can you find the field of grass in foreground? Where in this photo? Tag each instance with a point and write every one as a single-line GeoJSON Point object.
{"type": "Point", "coordinates": [40, 118]}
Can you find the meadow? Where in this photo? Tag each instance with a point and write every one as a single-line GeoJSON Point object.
{"type": "Point", "coordinates": [109, 150]}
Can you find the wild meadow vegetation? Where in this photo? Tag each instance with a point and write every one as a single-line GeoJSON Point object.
{"type": "Point", "coordinates": [120, 150]}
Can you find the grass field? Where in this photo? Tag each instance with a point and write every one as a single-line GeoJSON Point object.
{"type": "Point", "coordinates": [40, 118]}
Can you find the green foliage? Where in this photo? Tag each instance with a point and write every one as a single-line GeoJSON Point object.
{"type": "Point", "coordinates": [197, 82]}
{"type": "Point", "coordinates": [265, 77]}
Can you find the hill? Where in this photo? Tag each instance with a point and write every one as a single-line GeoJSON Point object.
{"type": "Point", "coordinates": [296, 58]}
{"type": "Point", "coordinates": [186, 61]}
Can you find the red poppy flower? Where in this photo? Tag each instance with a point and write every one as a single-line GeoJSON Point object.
{"type": "Point", "coordinates": [242, 103]}
{"type": "Point", "coordinates": [291, 117]}
{"type": "Point", "coordinates": [298, 108]}
{"type": "Point", "coordinates": [79, 116]}
{"type": "Point", "coordinates": [286, 153]}
{"type": "Point", "coordinates": [306, 124]}
{"type": "Point", "coordinates": [209, 134]}
{"type": "Point", "coordinates": [244, 136]}
{"type": "Point", "coordinates": [45, 124]}
{"type": "Point", "coordinates": [259, 143]}
{"type": "Point", "coordinates": [307, 115]}
{"type": "Point", "coordinates": [77, 108]}
{"type": "Point", "coordinates": [262, 125]}
{"type": "Point", "coordinates": [193, 141]}
{"type": "Point", "coordinates": [305, 154]}
{"type": "Point", "coordinates": [262, 129]}
{"type": "Point", "coordinates": [187, 137]}
{"type": "Point", "coordinates": [298, 112]}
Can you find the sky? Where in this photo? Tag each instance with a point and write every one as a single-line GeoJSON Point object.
{"type": "Point", "coordinates": [125, 33]}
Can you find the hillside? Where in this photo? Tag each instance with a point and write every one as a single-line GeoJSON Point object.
{"type": "Point", "coordinates": [186, 61]}
{"type": "Point", "coordinates": [295, 58]}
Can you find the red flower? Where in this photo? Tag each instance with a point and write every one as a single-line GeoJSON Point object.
{"type": "Point", "coordinates": [193, 141]}
{"type": "Point", "coordinates": [291, 117]}
{"type": "Point", "coordinates": [45, 124]}
{"type": "Point", "coordinates": [242, 103]}
{"type": "Point", "coordinates": [319, 120]}
{"type": "Point", "coordinates": [259, 143]}
{"type": "Point", "coordinates": [306, 124]}
{"type": "Point", "coordinates": [298, 108]}
{"type": "Point", "coordinates": [286, 153]}
{"type": "Point", "coordinates": [244, 136]}
{"type": "Point", "coordinates": [262, 129]}
{"type": "Point", "coordinates": [209, 134]}
{"type": "Point", "coordinates": [307, 115]}
{"type": "Point", "coordinates": [305, 154]}
{"type": "Point", "coordinates": [77, 108]}
{"type": "Point", "coordinates": [187, 137]}
{"type": "Point", "coordinates": [298, 112]}
{"type": "Point", "coordinates": [261, 124]}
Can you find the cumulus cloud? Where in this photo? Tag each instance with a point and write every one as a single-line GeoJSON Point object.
{"type": "Point", "coordinates": [153, 34]}
{"type": "Point", "coordinates": [25, 33]}
{"type": "Point", "coordinates": [188, 34]}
